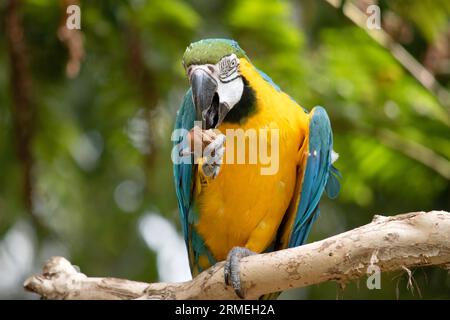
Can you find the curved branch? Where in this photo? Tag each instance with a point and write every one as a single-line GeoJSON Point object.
{"type": "Point", "coordinates": [72, 40]}
{"type": "Point", "coordinates": [416, 151]}
{"type": "Point", "coordinates": [407, 60]}
{"type": "Point", "coordinates": [391, 243]}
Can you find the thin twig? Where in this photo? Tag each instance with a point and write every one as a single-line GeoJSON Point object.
{"type": "Point", "coordinates": [414, 67]}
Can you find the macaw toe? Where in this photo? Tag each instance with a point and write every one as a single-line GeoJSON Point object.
{"type": "Point", "coordinates": [213, 156]}
{"type": "Point", "coordinates": [232, 270]}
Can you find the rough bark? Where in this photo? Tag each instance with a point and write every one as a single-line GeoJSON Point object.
{"type": "Point", "coordinates": [392, 243]}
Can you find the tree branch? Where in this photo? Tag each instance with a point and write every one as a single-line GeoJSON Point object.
{"type": "Point", "coordinates": [23, 109]}
{"type": "Point", "coordinates": [416, 151]}
{"type": "Point", "coordinates": [391, 243]}
{"type": "Point", "coordinates": [72, 40]}
{"type": "Point", "coordinates": [407, 60]}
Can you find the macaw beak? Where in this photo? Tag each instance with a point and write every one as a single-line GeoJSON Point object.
{"type": "Point", "coordinates": [206, 99]}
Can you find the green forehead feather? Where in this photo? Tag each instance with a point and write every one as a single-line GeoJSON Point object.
{"type": "Point", "coordinates": [210, 51]}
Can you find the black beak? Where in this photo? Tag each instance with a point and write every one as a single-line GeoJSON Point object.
{"type": "Point", "coordinates": [206, 99]}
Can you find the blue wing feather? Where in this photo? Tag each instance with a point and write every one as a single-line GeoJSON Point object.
{"type": "Point", "coordinates": [183, 172]}
{"type": "Point", "coordinates": [333, 186]}
{"type": "Point", "coordinates": [184, 177]}
{"type": "Point", "coordinates": [316, 177]}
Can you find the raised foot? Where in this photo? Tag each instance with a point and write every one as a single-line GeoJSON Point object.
{"type": "Point", "coordinates": [208, 148]}
{"type": "Point", "coordinates": [232, 270]}
{"type": "Point", "coordinates": [213, 155]}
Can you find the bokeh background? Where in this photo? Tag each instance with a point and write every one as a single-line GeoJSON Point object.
{"type": "Point", "coordinates": [86, 118]}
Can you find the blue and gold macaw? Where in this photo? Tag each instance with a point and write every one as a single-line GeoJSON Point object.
{"type": "Point", "coordinates": [229, 211]}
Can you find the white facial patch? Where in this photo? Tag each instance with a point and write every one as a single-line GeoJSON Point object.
{"type": "Point", "coordinates": [230, 92]}
{"type": "Point", "coordinates": [230, 84]}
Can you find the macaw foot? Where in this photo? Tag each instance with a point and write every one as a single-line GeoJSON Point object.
{"type": "Point", "coordinates": [213, 156]}
{"type": "Point", "coordinates": [208, 148]}
{"type": "Point", "coordinates": [232, 270]}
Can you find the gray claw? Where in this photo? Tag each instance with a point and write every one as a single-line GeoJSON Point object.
{"type": "Point", "coordinates": [226, 273]}
{"type": "Point", "coordinates": [214, 154]}
{"type": "Point", "coordinates": [232, 270]}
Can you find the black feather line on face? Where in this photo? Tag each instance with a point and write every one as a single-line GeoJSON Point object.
{"type": "Point", "coordinates": [245, 108]}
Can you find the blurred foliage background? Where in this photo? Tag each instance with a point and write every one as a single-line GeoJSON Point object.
{"type": "Point", "coordinates": [86, 118]}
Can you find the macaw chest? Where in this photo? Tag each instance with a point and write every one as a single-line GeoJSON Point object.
{"type": "Point", "coordinates": [251, 192]}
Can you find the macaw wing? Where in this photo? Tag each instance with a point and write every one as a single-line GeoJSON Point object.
{"type": "Point", "coordinates": [183, 168]}
{"type": "Point", "coordinates": [318, 175]}
{"type": "Point", "coordinates": [185, 176]}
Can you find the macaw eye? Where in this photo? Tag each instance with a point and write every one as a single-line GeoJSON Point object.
{"type": "Point", "coordinates": [228, 67]}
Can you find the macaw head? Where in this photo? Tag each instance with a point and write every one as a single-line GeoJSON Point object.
{"type": "Point", "coordinates": [212, 66]}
